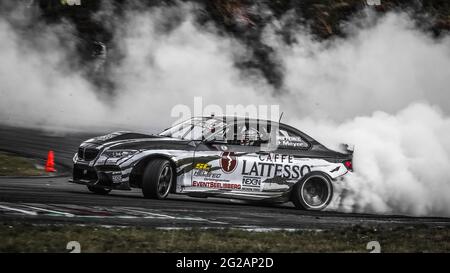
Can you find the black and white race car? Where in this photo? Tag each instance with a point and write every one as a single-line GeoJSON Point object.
{"type": "Point", "coordinates": [236, 158]}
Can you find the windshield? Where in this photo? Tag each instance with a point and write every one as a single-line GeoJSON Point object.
{"type": "Point", "coordinates": [194, 129]}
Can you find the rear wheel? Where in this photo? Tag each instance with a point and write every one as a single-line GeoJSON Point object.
{"type": "Point", "coordinates": [98, 190]}
{"type": "Point", "coordinates": [313, 192]}
{"type": "Point", "coordinates": [157, 179]}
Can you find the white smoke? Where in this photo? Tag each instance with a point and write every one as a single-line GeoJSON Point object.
{"type": "Point", "coordinates": [385, 90]}
{"type": "Point", "coordinates": [382, 88]}
{"type": "Point", "coordinates": [37, 85]}
{"type": "Point", "coordinates": [163, 69]}
{"type": "Point", "coordinates": [158, 70]}
{"type": "Point", "coordinates": [401, 161]}
{"type": "Point", "coordinates": [385, 66]}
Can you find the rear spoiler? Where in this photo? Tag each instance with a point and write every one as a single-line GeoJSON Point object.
{"type": "Point", "coordinates": [347, 148]}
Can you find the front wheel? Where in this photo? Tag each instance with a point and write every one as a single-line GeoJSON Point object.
{"type": "Point", "coordinates": [157, 179]}
{"type": "Point", "coordinates": [312, 192]}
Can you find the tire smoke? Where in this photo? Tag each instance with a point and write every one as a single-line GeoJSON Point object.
{"type": "Point", "coordinates": [383, 88]}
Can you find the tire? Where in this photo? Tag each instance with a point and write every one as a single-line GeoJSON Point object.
{"type": "Point", "coordinates": [313, 192]}
{"type": "Point", "coordinates": [98, 190]}
{"type": "Point", "coordinates": [157, 179]}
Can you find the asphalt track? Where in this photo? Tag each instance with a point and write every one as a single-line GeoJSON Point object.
{"type": "Point", "coordinates": [52, 200]}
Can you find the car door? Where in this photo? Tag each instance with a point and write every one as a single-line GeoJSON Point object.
{"type": "Point", "coordinates": [278, 165]}
{"type": "Point", "coordinates": [224, 165]}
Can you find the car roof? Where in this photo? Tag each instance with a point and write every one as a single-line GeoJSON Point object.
{"type": "Point", "coordinates": [238, 118]}
{"type": "Point", "coordinates": [244, 119]}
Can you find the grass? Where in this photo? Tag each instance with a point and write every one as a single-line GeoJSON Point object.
{"type": "Point", "coordinates": [17, 237]}
{"type": "Point", "coordinates": [13, 165]}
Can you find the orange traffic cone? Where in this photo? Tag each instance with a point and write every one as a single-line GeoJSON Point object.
{"type": "Point", "coordinates": [50, 166]}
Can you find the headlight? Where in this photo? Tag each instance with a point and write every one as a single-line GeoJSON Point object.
{"type": "Point", "coordinates": [119, 153]}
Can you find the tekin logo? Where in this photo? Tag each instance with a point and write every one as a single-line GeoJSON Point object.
{"type": "Point", "coordinates": [71, 2]}
{"type": "Point", "coordinates": [228, 162]}
{"type": "Point", "coordinates": [373, 2]}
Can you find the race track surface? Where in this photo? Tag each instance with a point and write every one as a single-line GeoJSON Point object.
{"type": "Point", "coordinates": [54, 200]}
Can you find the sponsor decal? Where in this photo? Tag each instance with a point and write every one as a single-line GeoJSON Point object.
{"type": "Point", "coordinates": [278, 181]}
{"type": "Point", "coordinates": [116, 177]}
{"type": "Point", "coordinates": [292, 142]}
{"type": "Point", "coordinates": [276, 158]}
{"type": "Point", "coordinates": [269, 169]}
{"type": "Point", "coordinates": [107, 137]}
{"type": "Point", "coordinates": [208, 174]}
{"type": "Point", "coordinates": [228, 162]}
{"type": "Point", "coordinates": [215, 185]}
{"type": "Point", "coordinates": [250, 189]}
{"type": "Point", "coordinates": [253, 182]}
{"type": "Point", "coordinates": [202, 166]}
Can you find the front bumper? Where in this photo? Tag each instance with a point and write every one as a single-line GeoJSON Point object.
{"type": "Point", "coordinates": [105, 176]}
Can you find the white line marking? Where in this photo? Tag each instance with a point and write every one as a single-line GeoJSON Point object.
{"type": "Point", "coordinates": [186, 218]}
{"type": "Point", "coordinates": [52, 211]}
{"type": "Point", "coordinates": [148, 213]}
{"type": "Point", "coordinates": [19, 210]}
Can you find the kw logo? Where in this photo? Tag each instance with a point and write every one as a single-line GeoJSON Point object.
{"type": "Point", "coordinates": [228, 162]}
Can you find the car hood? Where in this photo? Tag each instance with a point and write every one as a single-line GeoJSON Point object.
{"type": "Point", "coordinates": [135, 141]}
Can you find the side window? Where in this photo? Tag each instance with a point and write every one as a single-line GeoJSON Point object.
{"type": "Point", "coordinates": [244, 134]}
{"type": "Point", "coordinates": [290, 140]}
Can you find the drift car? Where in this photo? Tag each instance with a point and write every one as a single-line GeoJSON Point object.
{"type": "Point", "coordinates": [236, 158]}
